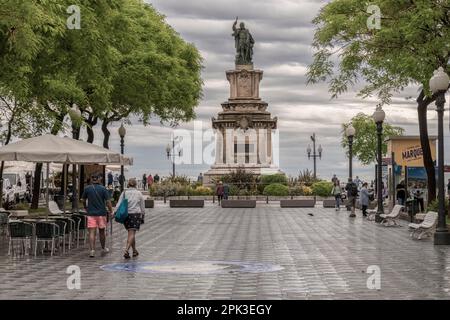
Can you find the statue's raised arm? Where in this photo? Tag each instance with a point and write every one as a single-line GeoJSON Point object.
{"type": "Point", "coordinates": [234, 24]}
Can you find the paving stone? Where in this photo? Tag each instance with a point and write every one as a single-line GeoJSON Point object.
{"type": "Point", "coordinates": [323, 257]}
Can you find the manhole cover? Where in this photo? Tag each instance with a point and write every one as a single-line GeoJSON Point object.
{"type": "Point", "coordinates": [192, 267]}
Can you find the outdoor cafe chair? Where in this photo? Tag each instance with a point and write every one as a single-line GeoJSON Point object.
{"type": "Point", "coordinates": [21, 232]}
{"type": "Point", "coordinates": [4, 217]}
{"type": "Point", "coordinates": [62, 227]}
{"type": "Point", "coordinates": [70, 228]}
{"type": "Point", "coordinates": [81, 226]}
{"type": "Point", "coordinates": [46, 232]}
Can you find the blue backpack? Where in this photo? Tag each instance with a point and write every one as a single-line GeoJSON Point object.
{"type": "Point", "coordinates": [122, 211]}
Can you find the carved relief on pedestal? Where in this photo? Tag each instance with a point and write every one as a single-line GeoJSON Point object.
{"type": "Point", "coordinates": [244, 84]}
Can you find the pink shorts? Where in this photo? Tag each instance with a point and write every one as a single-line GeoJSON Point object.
{"type": "Point", "coordinates": [96, 222]}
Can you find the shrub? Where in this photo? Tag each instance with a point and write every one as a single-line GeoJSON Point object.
{"type": "Point", "coordinates": [202, 191]}
{"type": "Point", "coordinates": [276, 189]}
{"type": "Point", "coordinates": [306, 177]}
{"type": "Point", "coordinates": [434, 206]}
{"type": "Point", "coordinates": [307, 191]}
{"type": "Point", "coordinates": [239, 178]}
{"type": "Point", "coordinates": [274, 178]}
{"type": "Point", "coordinates": [296, 191]}
{"type": "Point", "coordinates": [233, 191]}
{"type": "Point", "coordinates": [322, 188]}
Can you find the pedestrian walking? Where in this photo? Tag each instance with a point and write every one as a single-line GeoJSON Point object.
{"type": "Point", "coordinates": [136, 213]}
{"type": "Point", "coordinates": [144, 181]}
{"type": "Point", "coordinates": [200, 179]}
{"type": "Point", "coordinates": [219, 192]}
{"type": "Point", "coordinates": [401, 193]}
{"type": "Point", "coordinates": [156, 178]}
{"type": "Point", "coordinates": [333, 179]}
{"type": "Point", "coordinates": [150, 181]}
{"type": "Point", "coordinates": [352, 193]}
{"type": "Point", "coordinates": [116, 180]}
{"type": "Point", "coordinates": [110, 179]}
{"type": "Point", "coordinates": [97, 204]}
{"type": "Point", "coordinates": [337, 193]}
{"type": "Point", "coordinates": [226, 191]}
{"type": "Point", "coordinates": [364, 198]}
{"type": "Point", "coordinates": [418, 196]}
{"type": "Point", "coordinates": [357, 182]}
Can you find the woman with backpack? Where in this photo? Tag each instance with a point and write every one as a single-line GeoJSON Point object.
{"type": "Point", "coordinates": [136, 212]}
{"type": "Point", "coordinates": [337, 193]}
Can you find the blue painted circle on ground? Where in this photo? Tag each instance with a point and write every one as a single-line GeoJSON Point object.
{"type": "Point", "coordinates": [192, 267]}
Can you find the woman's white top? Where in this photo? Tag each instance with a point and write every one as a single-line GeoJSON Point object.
{"type": "Point", "coordinates": [136, 201]}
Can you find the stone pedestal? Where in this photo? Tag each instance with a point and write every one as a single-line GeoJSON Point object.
{"type": "Point", "coordinates": [244, 128]}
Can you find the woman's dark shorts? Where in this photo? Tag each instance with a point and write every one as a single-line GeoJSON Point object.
{"type": "Point", "coordinates": [133, 221]}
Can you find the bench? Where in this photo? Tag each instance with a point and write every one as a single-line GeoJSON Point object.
{"type": "Point", "coordinates": [391, 218]}
{"type": "Point", "coordinates": [187, 203]}
{"type": "Point", "coordinates": [426, 228]}
{"type": "Point", "coordinates": [238, 203]}
{"type": "Point", "coordinates": [307, 203]}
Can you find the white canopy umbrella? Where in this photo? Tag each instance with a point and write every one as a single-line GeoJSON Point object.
{"type": "Point", "coordinates": [53, 149]}
{"type": "Point", "coordinates": [49, 148]}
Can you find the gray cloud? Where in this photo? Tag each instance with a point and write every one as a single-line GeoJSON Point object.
{"type": "Point", "coordinates": [283, 32]}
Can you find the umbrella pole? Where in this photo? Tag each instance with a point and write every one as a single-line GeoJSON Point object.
{"type": "Point", "coordinates": [65, 188]}
{"type": "Point", "coordinates": [47, 193]}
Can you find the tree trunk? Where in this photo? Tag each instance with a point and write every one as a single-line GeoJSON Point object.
{"type": "Point", "coordinates": [8, 138]}
{"type": "Point", "coordinates": [106, 133]}
{"type": "Point", "coordinates": [425, 142]}
{"type": "Point", "coordinates": [92, 122]}
{"type": "Point", "coordinates": [36, 186]}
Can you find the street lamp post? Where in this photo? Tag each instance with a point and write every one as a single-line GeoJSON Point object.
{"type": "Point", "coordinates": [350, 133]}
{"type": "Point", "coordinates": [314, 155]}
{"type": "Point", "coordinates": [439, 84]}
{"type": "Point", "coordinates": [170, 151]}
{"type": "Point", "coordinates": [122, 133]}
{"type": "Point", "coordinates": [379, 117]}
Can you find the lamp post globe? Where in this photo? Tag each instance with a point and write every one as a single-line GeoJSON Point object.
{"type": "Point", "coordinates": [439, 81]}
{"type": "Point", "coordinates": [379, 115]}
{"type": "Point", "coordinates": [439, 84]}
{"type": "Point", "coordinates": [350, 131]}
{"type": "Point", "coordinates": [122, 131]}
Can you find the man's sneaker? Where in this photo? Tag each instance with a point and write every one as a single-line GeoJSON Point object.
{"type": "Point", "coordinates": [92, 254]}
{"type": "Point", "coordinates": [105, 250]}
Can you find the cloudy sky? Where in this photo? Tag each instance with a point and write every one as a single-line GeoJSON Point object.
{"type": "Point", "coordinates": [283, 32]}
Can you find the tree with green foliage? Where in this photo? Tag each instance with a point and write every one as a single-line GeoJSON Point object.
{"type": "Point", "coordinates": [124, 61]}
{"type": "Point", "coordinates": [410, 44]}
{"type": "Point", "coordinates": [366, 137]}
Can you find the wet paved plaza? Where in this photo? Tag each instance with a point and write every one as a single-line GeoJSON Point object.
{"type": "Point", "coordinates": [184, 255]}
